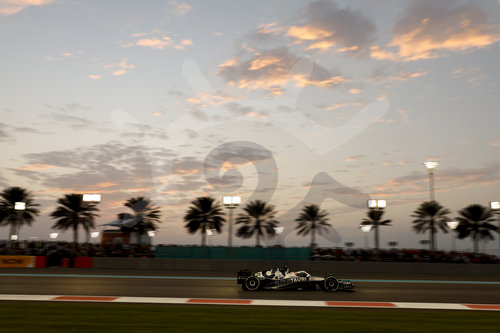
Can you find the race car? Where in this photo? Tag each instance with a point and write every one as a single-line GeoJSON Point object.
{"type": "Point", "coordinates": [282, 278]}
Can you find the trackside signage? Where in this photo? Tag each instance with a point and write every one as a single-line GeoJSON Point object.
{"type": "Point", "coordinates": [17, 261]}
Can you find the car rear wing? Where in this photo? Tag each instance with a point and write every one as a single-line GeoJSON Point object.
{"type": "Point", "coordinates": [242, 275]}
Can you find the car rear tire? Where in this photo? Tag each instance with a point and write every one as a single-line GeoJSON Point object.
{"type": "Point", "coordinates": [330, 284]}
{"type": "Point", "coordinates": [252, 283]}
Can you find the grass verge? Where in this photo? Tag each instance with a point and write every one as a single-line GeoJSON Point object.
{"type": "Point", "coordinates": [104, 317]}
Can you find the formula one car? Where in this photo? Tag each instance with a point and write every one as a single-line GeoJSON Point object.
{"type": "Point", "coordinates": [282, 278]}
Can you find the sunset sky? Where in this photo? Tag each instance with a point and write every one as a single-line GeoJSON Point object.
{"type": "Point", "coordinates": [291, 102]}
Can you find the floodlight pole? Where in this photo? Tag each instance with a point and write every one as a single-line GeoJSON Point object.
{"type": "Point", "coordinates": [495, 207]}
{"type": "Point", "coordinates": [431, 166]}
{"type": "Point", "coordinates": [452, 225]}
{"type": "Point", "coordinates": [230, 203]}
{"type": "Point", "coordinates": [18, 206]}
{"type": "Point", "coordinates": [90, 198]}
{"type": "Point", "coordinates": [374, 204]}
{"type": "Point", "coordinates": [230, 227]}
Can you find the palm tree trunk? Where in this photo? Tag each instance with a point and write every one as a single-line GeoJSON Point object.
{"type": "Point", "coordinates": [258, 239]}
{"type": "Point", "coordinates": [476, 244]}
{"type": "Point", "coordinates": [376, 238]}
{"type": "Point", "coordinates": [431, 241]}
{"type": "Point", "coordinates": [203, 237]}
{"type": "Point", "coordinates": [313, 238]}
{"type": "Point", "coordinates": [75, 234]}
{"type": "Point", "coordinates": [13, 228]}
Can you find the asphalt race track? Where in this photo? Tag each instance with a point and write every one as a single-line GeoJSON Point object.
{"type": "Point", "coordinates": [139, 283]}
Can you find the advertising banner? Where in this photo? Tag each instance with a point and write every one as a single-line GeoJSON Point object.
{"type": "Point", "coordinates": [17, 261]}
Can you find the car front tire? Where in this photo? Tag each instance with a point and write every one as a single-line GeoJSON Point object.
{"type": "Point", "coordinates": [252, 283]}
{"type": "Point", "coordinates": [330, 284]}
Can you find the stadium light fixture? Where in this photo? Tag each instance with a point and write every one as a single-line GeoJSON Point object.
{"type": "Point", "coordinates": [374, 204]}
{"type": "Point", "coordinates": [20, 206]}
{"type": "Point", "coordinates": [230, 202]}
{"type": "Point", "coordinates": [92, 197]}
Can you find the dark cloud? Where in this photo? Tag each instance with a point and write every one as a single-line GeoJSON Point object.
{"type": "Point", "coordinates": [9, 132]}
{"type": "Point", "coordinates": [448, 179]}
{"type": "Point", "coordinates": [3, 182]}
{"type": "Point", "coordinates": [100, 165]}
{"type": "Point", "coordinates": [341, 26]}
{"type": "Point", "coordinates": [274, 68]}
{"type": "Point", "coordinates": [187, 165]}
{"type": "Point", "coordinates": [3, 132]}
{"type": "Point", "coordinates": [228, 156]}
{"type": "Point", "coordinates": [74, 122]}
{"type": "Point", "coordinates": [141, 131]}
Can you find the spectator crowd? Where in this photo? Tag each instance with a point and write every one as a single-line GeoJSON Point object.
{"type": "Point", "coordinates": [402, 255]}
{"type": "Point", "coordinates": [56, 251]}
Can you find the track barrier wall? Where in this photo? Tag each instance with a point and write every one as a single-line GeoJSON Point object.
{"type": "Point", "coordinates": [342, 268]}
{"type": "Point", "coordinates": [230, 266]}
{"type": "Point", "coordinates": [22, 261]}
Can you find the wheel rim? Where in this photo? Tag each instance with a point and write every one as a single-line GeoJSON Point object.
{"type": "Point", "coordinates": [252, 283]}
{"type": "Point", "coordinates": [331, 284]}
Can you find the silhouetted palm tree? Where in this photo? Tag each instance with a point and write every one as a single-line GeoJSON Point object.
{"type": "Point", "coordinates": [431, 216]}
{"type": "Point", "coordinates": [258, 220]}
{"type": "Point", "coordinates": [375, 220]}
{"type": "Point", "coordinates": [16, 218]}
{"type": "Point", "coordinates": [73, 212]}
{"type": "Point", "coordinates": [475, 223]}
{"type": "Point", "coordinates": [146, 214]}
{"type": "Point", "coordinates": [312, 220]}
{"type": "Point", "coordinates": [204, 214]}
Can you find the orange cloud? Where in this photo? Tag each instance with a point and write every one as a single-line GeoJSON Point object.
{"type": "Point", "coordinates": [105, 184]}
{"type": "Point", "coordinates": [155, 43]}
{"type": "Point", "coordinates": [122, 68]}
{"type": "Point", "coordinates": [262, 62]}
{"type": "Point", "coordinates": [11, 7]}
{"type": "Point", "coordinates": [431, 29]}
{"type": "Point", "coordinates": [36, 167]}
{"type": "Point", "coordinates": [303, 80]}
{"type": "Point", "coordinates": [495, 143]}
{"type": "Point", "coordinates": [94, 77]}
{"type": "Point", "coordinates": [270, 29]}
{"type": "Point", "coordinates": [402, 76]}
{"type": "Point", "coordinates": [159, 42]}
{"type": "Point", "coordinates": [321, 45]}
{"type": "Point", "coordinates": [119, 72]}
{"type": "Point", "coordinates": [337, 106]}
{"type": "Point", "coordinates": [308, 32]}
{"type": "Point", "coordinates": [182, 8]}
{"type": "Point", "coordinates": [187, 172]}
{"type": "Point", "coordinates": [205, 99]}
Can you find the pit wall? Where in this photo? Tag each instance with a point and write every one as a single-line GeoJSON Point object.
{"type": "Point", "coordinates": [228, 266]}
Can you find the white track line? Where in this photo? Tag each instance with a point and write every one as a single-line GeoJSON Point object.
{"type": "Point", "coordinates": [253, 302]}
